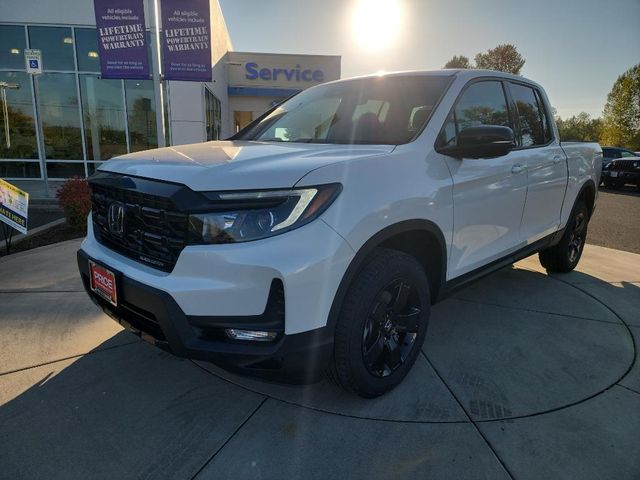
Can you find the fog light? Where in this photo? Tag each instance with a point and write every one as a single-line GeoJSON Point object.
{"type": "Point", "coordinates": [251, 335]}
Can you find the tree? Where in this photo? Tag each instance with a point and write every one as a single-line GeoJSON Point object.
{"type": "Point", "coordinates": [581, 128]}
{"type": "Point", "coordinates": [622, 111]}
{"type": "Point", "coordinates": [458, 61]}
{"type": "Point", "coordinates": [504, 58]}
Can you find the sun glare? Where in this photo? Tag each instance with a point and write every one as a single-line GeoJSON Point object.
{"type": "Point", "coordinates": [376, 23]}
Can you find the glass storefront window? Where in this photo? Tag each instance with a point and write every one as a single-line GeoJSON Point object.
{"type": "Point", "coordinates": [71, 97]}
{"type": "Point", "coordinates": [12, 45]}
{"type": "Point", "coordinates": [65, 170]}
{"type": "Point", "coordinates": [56, 44]}
{"type": "Point", "coordinates": [19, 170]}
{"type": "Point", "coordinates": [87, 50]}
{"type": "Point", "coordinates": [22, 129]}
{"type": "Point", "coordinates": [141, 115]}
{"type": "Point", "coordinates": [92, 167]}
{"type": "Point", "coordinates": [213, 115]}
{"type": "Point", "coordinates": [58, 107]}
{"type": "Point", "coordinates": [103, 108]}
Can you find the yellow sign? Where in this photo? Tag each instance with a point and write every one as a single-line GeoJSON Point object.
{"type": "Point", "coordinates": [14, 206]}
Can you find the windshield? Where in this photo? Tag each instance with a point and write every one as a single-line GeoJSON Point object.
{"type": "Point", "coordinates": [379, 110]}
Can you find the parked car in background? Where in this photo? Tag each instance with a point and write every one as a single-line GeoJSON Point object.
{"type": "Point", "coordinates": [622, 171]}
{"type": "Point", "coordinates": [317, 238]}
{"type": "Point", "coordinates": [611, 153]}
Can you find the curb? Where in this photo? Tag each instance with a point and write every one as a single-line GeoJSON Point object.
{"type": "Point", "coordinates": [35, 231]}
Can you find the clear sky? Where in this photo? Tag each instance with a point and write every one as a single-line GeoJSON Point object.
{"type": "Point", "coordinates": [575, 48]}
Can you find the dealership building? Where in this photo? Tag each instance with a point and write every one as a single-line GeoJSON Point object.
{"type": "Point", "coordinates": [67, 120]}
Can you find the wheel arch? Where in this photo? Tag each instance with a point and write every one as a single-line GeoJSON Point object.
{"type": "Point", "coordinates": [419, 238]}
{"type": "Point", "coordinates": [587, 194]}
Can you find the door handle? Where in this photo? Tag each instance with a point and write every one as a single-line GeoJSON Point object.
{"type": "Point", "coordinates": [557, 159]}
{"type": "Point", "coordinates": [518, 168]}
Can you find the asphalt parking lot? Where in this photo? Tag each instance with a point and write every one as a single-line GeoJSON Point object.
{"type": "Point", "coordinates": [616, 221]}
{"type": "Point", "coordinates": [522, 376]}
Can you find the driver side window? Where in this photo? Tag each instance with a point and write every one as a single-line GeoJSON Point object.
{"type": "Point", "coordinates": [482, 103]}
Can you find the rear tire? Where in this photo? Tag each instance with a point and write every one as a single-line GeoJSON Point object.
{"type": "Point", "coordinates": [382, 324]}
{"type": "Point", "coordinates": [565, 255]}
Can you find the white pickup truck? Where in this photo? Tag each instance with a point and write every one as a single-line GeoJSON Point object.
{"type": "Point", "coordinates": [317, 238]}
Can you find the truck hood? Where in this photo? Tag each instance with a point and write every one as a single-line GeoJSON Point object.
{"type": "Point", "coordinates": [237, 165]}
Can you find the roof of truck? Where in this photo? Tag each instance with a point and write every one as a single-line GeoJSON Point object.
{"type": "Point", "coordinates": [465, 74]}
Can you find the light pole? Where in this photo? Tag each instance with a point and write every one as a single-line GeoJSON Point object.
{"type": "Point", "coordinates": [5, 109]}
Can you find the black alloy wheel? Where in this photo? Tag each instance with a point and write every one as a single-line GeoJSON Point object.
{"type": "Point", "coordinates": [391, 328]}
{"type": "Point", "coordinates": [565, 255]}
{"type": "Point", "coordinates": [382, 324]}
{"type": "Point", "coordinates": [577, 236]}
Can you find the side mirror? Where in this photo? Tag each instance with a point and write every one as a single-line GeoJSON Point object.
{"type": "Point", "coordinates": [484, 141]}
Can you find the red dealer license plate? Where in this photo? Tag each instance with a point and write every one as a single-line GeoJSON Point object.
{"type": "Point", "coordinates": [103, 282]}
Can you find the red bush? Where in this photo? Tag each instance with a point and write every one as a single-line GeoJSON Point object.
{"type": "Point", "coordinates": [74, 198]}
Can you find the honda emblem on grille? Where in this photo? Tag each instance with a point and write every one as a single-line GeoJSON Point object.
{"type": "Point", "coordinates": [115, 218]}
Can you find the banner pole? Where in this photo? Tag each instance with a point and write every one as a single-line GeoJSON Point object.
{"type": "Point", "coordinates": [157, 78]}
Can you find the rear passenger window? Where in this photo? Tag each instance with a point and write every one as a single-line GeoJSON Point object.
{"type": "Point", "coordinates": [546, 123]}
{"type": "Point", "coordinates": [482, 103]}
{"type": "Point", "coordinates": [530, 117]}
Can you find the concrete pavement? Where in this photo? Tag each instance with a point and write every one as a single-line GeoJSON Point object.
{"type": "Point", "coordinates": [523, 375]}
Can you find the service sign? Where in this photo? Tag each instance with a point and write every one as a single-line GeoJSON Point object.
{"type": "Point", "coordinates": [186, 45]}
{"type": "Point", "coordinates": [122, 39]}
{"type": "Point", "coordinates": [14, 206]}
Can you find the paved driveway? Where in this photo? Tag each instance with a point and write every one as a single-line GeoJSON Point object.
{"type": "Point", "coordinates": [522, 376]}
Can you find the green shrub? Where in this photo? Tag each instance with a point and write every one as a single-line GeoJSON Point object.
{"type": "Point", "coordinates": [74, 198]}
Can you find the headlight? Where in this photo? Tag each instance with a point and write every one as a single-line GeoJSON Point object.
{"type": "Point", "coordinates": [243, 216]}
{"type": "Point", "coordinates": [636, 164]}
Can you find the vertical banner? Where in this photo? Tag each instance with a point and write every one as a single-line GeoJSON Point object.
{"type": "Point", "coordinates": [122, 40]}
{"type": "Point", "coordinates": [186, 43]}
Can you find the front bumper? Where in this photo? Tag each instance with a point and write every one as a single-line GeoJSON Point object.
{"type": "Point", "coordinates": [156, 317]}
{"type": "Point", "coordinates": [622, 177]}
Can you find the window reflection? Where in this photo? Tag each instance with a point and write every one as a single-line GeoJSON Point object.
{"type": "Point", "coordinates": [104, 120]}
{"type": "Point", "coordinates": [213, 115]}
{"type": "Point", "coordinates": [87, 50]}
{"type": "Point", "coordinates": [12, 45]}
{"type": "Point", "coordinates": [482, 103]}
{"type": "Point", "coordinates": [529, 116]}
{"type": "Point", "coordinates": [65, 170]}
{"type": "Point", "coordinates": [92, 167]}
{"type": "Point", "coordinates": [100, 107]}
{"type": "Point", "coordinates": [58, 105]}
{"type": "Point", "coordinates": [141, 115]}
{"type": "Point", "coordinates": [22, 131]}
{"type": "Point", "coordinates": [56, 44]}
{"type": "Point", "coordinates": [19, 170]}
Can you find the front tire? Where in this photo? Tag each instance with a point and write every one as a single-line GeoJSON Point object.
{"type": "Point", "coordinates": [565, 255]}
{"type": "Point", "coordinates": [382, 324]}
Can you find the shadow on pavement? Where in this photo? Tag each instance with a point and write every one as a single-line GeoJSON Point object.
{"type": "Point", "coordinates": [130, 410]}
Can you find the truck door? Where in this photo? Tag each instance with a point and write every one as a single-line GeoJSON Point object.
{"type": "Point", "coordinates": [545, 161]}
{"type": "Point", "coordinates": [489, 193]}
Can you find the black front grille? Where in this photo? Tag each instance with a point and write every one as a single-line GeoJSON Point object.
{"type": "Point", "coordinates": [624, 165]}
{"type": "Point", "coordinates": [154, 231]}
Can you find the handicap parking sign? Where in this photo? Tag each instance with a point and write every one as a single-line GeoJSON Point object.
{"type": "Point", "coordinates": [33, 59]}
